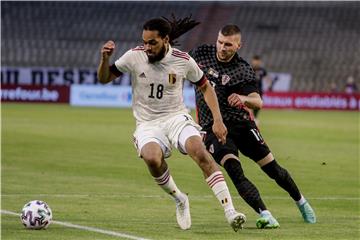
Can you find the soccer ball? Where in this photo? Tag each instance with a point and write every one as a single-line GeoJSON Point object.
{"type": "Point", "coordinates": [36, 215]}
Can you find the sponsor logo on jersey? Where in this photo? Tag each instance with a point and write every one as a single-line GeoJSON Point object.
{"type": "Point", "coordinates": [212, 72]}
{"type": "Point", "coordinates": [172, 78]}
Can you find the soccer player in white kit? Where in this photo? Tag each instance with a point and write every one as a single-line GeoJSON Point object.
{"type": "Point", "coordinates": [158, 71]}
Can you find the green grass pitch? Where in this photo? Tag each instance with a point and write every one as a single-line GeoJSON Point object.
{"type": "Point", "coordinates": [82, 162]}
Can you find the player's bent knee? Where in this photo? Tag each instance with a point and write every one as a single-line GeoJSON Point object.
{"type": "Point", "coordinates": [275, 171]}
{"type": "Point", "coordinates": [199, 153]}
{"type": "Point", "coordinates": [152, 154]}
{"type": "Point", "coordinates": [266, 160]}
{"type": "Point", "coordinates": [153, 161]}
{"type": "Point", "coordinates": [194, 146]}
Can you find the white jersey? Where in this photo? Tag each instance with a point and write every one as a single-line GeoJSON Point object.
{"type": "Point", "coordinates": [157, 88]}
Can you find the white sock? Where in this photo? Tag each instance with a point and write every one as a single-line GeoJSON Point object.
{"type": "Point", "coordinates": [167, 183]}
{"type": "Point", "coordinates": [301, 201]}
{"type": "Point", "coordinates": [217, 183]}
{"type": "Point", "coordinates": [265, 212]}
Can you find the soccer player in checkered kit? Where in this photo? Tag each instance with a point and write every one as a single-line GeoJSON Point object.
{"type": "Point", "coordinates": [235, 85]}
{"type": "Point", "coordinates": [162, 121]}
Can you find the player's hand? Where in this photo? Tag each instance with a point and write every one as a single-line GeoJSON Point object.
{"type": "Point", "coordinates": [236, 100]}
{"type": "Point", "coordinates": [107, 49]}
{"type": "Point", "coordinates": [220, 131]}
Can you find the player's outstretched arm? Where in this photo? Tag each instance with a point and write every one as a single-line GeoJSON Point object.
{"type": "Point", "coordinates": [104, 74]}
{"type": "Point", "coordinates": [253, 100]}
{"type": "Point", "coordinates": [211, 100]}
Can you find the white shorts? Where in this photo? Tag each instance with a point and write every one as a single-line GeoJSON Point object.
{"type": "Point", "coordinates": [167, 133]}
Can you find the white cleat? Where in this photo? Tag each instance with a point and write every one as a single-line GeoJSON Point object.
{"type": "Point", "coordinates": [183, 216]}
{"type": "Point", "coordinates": [235, 219]}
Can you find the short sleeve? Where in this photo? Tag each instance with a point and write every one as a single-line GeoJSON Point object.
{"type": "Point", "coordinates": [248, 84]}
{"type": "Point", "coordinates": [124, 63]}
{"type": "Point", "coordinates": [194, 73]}
{"type": "Point", "coordinates": [249, 88]}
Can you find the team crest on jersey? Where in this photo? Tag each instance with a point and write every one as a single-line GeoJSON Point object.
{"type": "Point", "coordinates": [225, 79]}
{"type": "Point", "coordinates": [212, 72]}
{"type": "Point", "coordinates": [172, 78]}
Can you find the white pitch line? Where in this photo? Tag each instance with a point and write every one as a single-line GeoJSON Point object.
{"type": "Point", "coordinates": [90, 229]}
{"type": "Point", "coordinates": [196, 197]}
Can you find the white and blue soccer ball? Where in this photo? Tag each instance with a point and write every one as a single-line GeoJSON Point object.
{"type": "Point", "coordinates": [36, 215]}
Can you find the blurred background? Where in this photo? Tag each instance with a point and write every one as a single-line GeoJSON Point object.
{"type": "Point", "coordinates": [305, 46]}
{"type": "Point", "coordinates": [80, 160]}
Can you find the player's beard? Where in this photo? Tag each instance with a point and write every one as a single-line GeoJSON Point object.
{"type": "Point", "coordinates": [225, 56]}
{"type": "Point", "coordinates": [159, 56]}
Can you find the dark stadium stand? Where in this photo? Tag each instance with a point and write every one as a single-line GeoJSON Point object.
{"type": "Point", "coordinates": [317, 42]}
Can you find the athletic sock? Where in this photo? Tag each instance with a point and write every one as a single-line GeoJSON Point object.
{"type": "Point", "coordinates": [301, 201]}
{"type": "Point", "coordinates": [167, 183]}
{"type": "Point", "coordinates": [245, 188]}
{"type": "Point", "coordinates": [282, 178]}
{"type": "Point", "coordinates": [265, 213]}
{"type": "Point", "coordinates": [217, 183]}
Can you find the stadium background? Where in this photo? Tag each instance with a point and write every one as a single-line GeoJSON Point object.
{"type": "Point", "coordinates": [315, 43]}
{"type": "Point", "coordinates": [81, 160]}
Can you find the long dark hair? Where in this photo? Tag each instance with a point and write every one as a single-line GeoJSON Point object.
{"type": "Point", "coordinates": [173, 27]}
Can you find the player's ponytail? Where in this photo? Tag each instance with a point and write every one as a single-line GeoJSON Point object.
{"type": "Point", "coordinates": [173, 27]}
{"type": "Point", "coordinates": [179, 27]}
